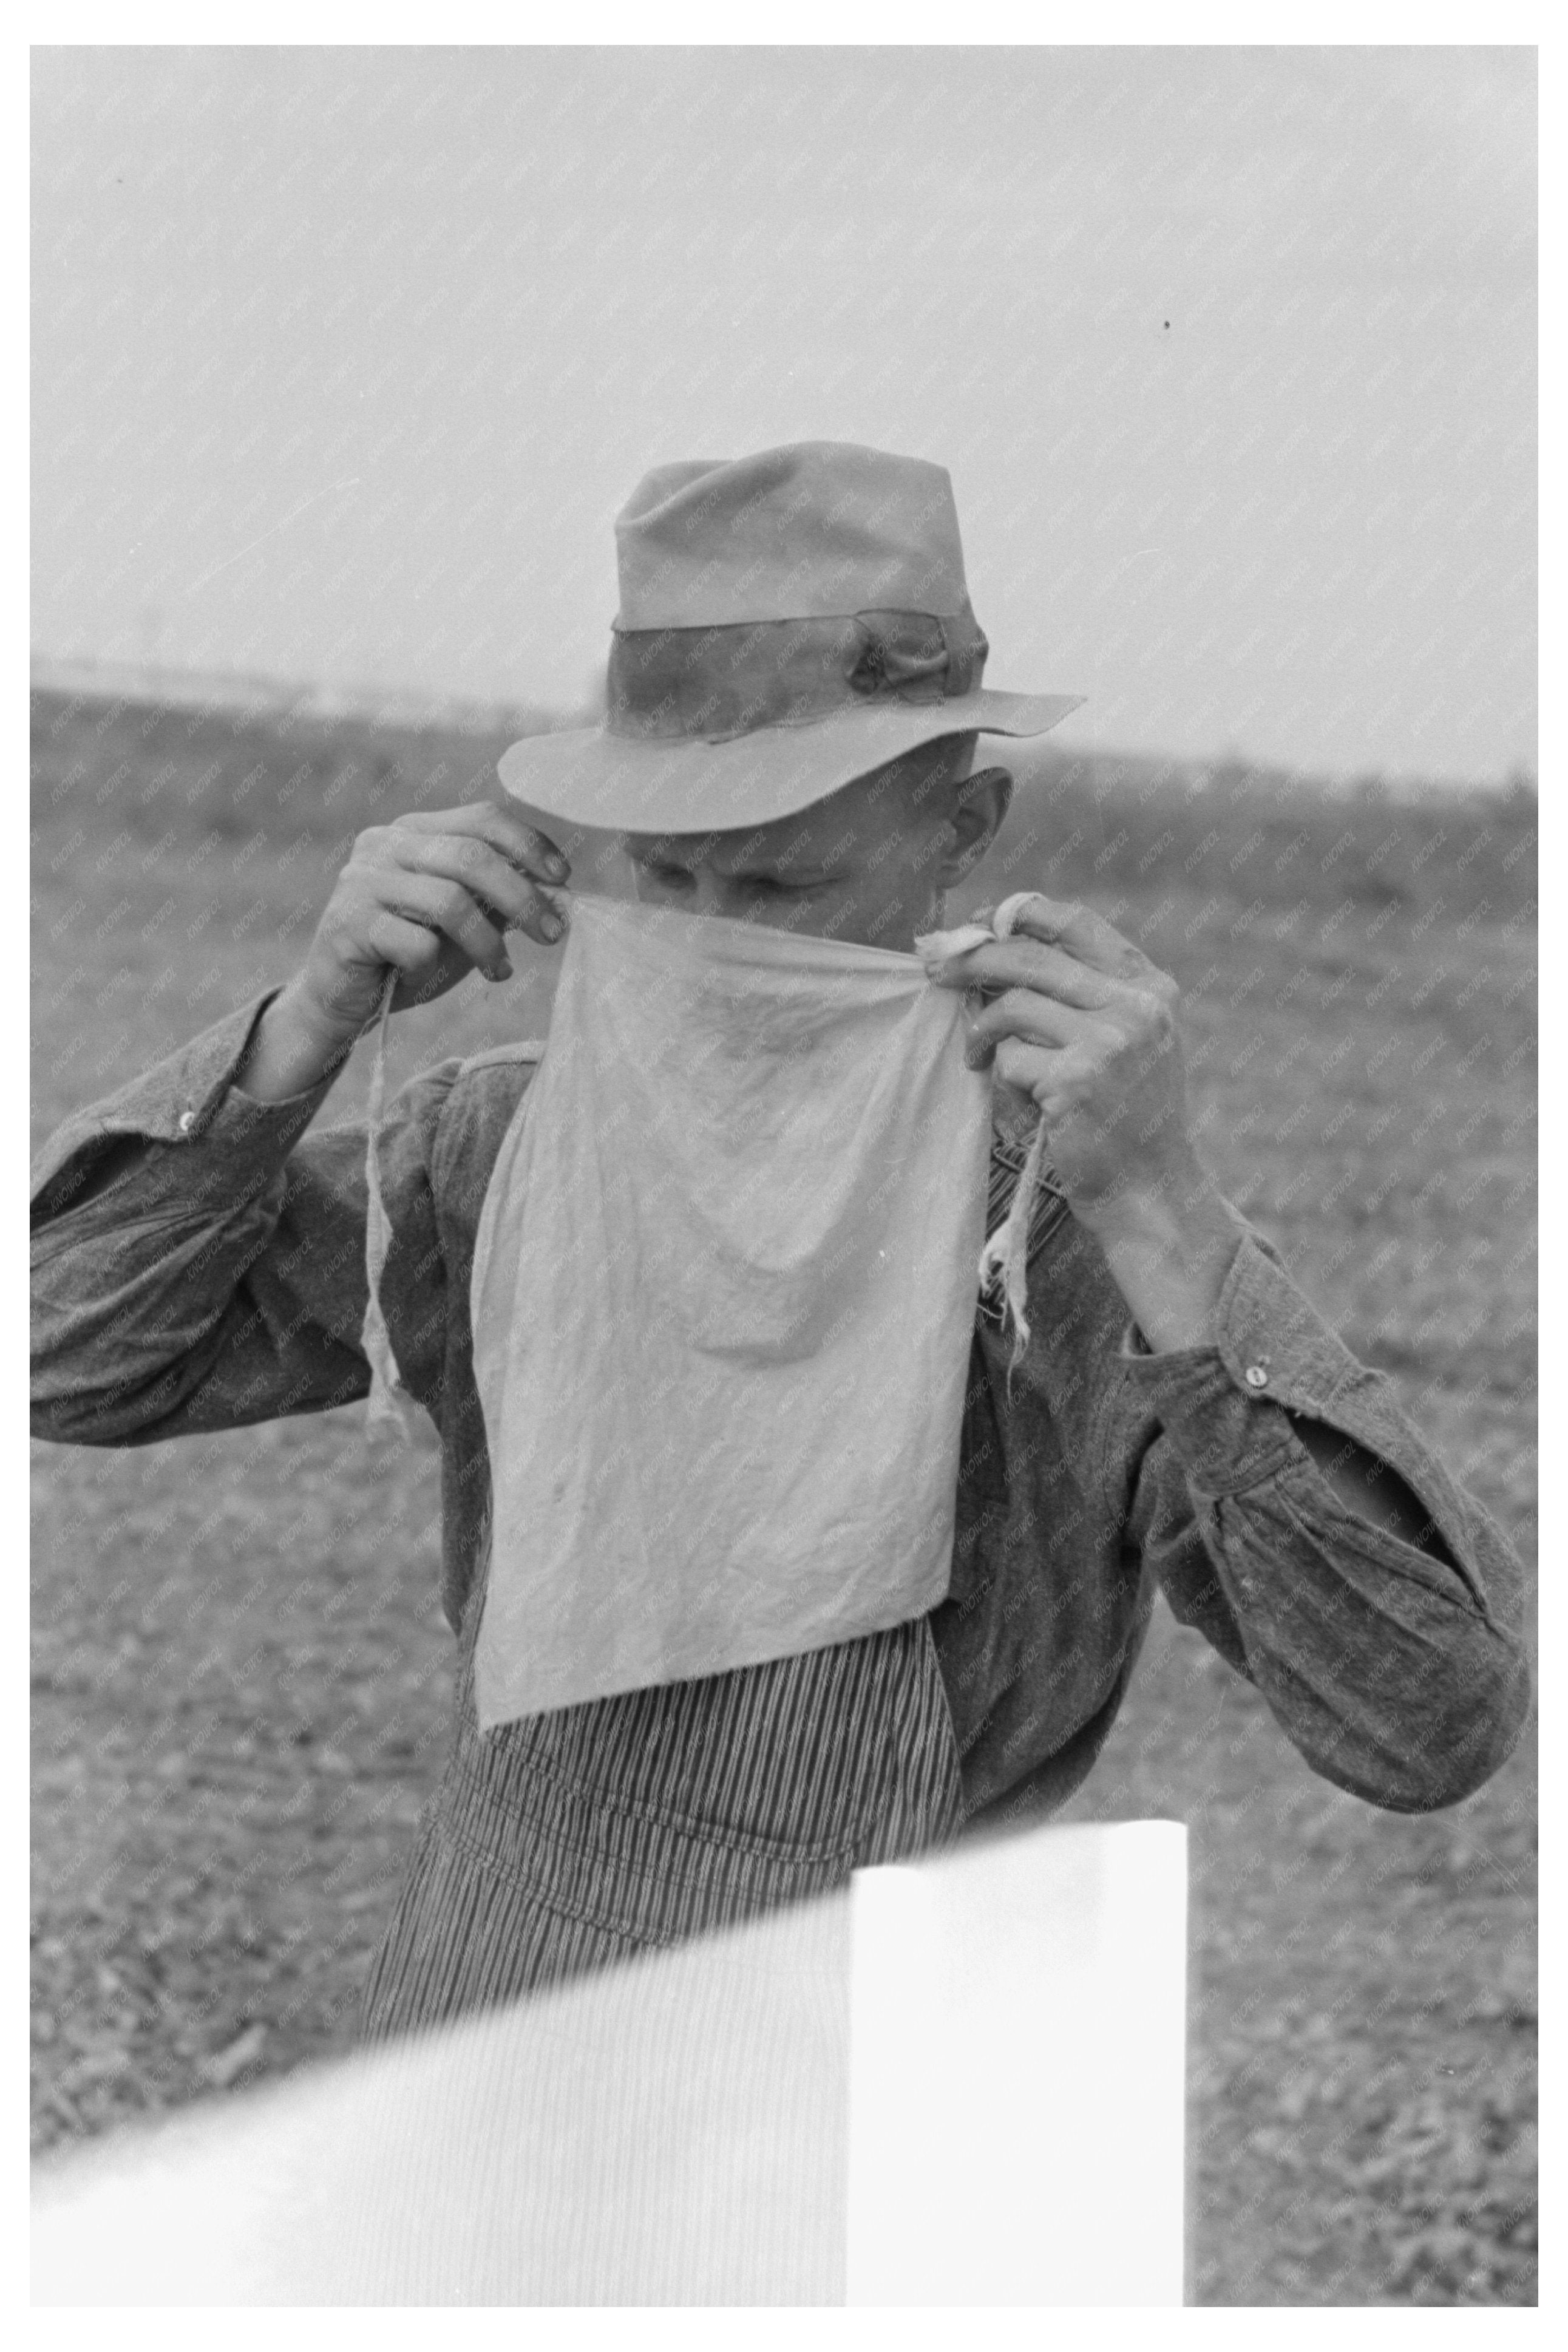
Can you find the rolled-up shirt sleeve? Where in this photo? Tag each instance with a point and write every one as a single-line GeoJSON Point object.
{"type": "Point", "coordinates": [213, 1272]}
{"type": "Point", "coordinates": [1399, 1674]}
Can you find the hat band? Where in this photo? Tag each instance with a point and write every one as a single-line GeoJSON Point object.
{"type": "Point", "coordinates": [711, 685]}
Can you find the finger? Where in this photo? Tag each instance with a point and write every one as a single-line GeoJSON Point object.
{"type": "Point", "coordinates": [446, 908]}
{"type": "Point", "coordinates": [406, 945]}
{"type": "Point", "coordinates": [1032, 1070]}
{"type": "Point", "coordinates": [509, 834]}
{"type": "Point", "coordinates": [1024, 1013]}
{"type": "Point", "coordinates": [1067, 924]}
{"type": "Point", "coordinates": [495, 885]}
{"type": "Point", "coordinates": [1029, 963]}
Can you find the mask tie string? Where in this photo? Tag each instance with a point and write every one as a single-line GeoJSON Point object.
{"type": "Point", "coordinates": [386, 1407]}
{"type": "Point", "coordinates": [1004, 1260]}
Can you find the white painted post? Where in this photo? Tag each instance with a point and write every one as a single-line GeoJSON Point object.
{"type": "Point", "coordinates": [1016, 2071]}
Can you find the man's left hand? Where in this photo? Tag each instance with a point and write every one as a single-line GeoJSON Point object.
{"type": "Point", "coordinates": [1080, 1022]}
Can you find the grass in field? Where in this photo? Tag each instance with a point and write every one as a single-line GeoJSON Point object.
{"type": "Point", "coordinates": [241, 1677]}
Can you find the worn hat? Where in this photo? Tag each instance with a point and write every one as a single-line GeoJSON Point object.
{"type": "Point", "coordinates": [787, 622]}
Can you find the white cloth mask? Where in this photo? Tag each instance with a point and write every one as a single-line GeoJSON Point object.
{"type": "Point", "coordinates": [723, 1298]}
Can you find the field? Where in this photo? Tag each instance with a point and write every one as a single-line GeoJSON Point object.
{"type": "Point", "coordinates": [240, 1672]}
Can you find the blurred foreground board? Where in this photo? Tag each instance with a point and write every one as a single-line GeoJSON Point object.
{"type": "Point", "coordinates": [962, 2084]}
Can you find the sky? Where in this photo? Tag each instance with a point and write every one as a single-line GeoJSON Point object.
{"type": "Point", "coordinates": [343, 361]}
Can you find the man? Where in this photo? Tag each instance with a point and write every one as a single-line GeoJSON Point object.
{"type": "Point", "coordinates": [794, 704]}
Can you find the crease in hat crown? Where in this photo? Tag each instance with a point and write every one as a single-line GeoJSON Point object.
{"type": "Point", "coordinates": [816, 530]}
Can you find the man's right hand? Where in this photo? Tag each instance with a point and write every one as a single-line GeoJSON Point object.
{"type": "Point", "coordinates": [431, 896]}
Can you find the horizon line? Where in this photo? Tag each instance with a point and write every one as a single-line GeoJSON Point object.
{"type": "Point", "coordinates": [263, 694]}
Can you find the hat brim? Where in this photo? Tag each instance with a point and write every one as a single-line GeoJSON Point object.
{"type": "Point", "coordinates": [616, 785]}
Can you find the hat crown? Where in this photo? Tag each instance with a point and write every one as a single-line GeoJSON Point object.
{"type": "Point", "coordinates": [811, 531]}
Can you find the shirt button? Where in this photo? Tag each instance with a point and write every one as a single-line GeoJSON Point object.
{"type": "Point", "coordinates": [188, 1120]}
{"type": "Point", "coordinates": [1256, 1376]}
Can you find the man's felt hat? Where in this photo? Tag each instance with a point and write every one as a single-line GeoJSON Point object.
{"type": "Point", "coordinates": [787, 622]}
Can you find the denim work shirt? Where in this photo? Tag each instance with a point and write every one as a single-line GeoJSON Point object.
{"type": "Point", "coordinates": [219, 1280]}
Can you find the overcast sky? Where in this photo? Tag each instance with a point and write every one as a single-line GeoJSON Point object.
{"type": "Point", "coordinates": [344, 359]}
